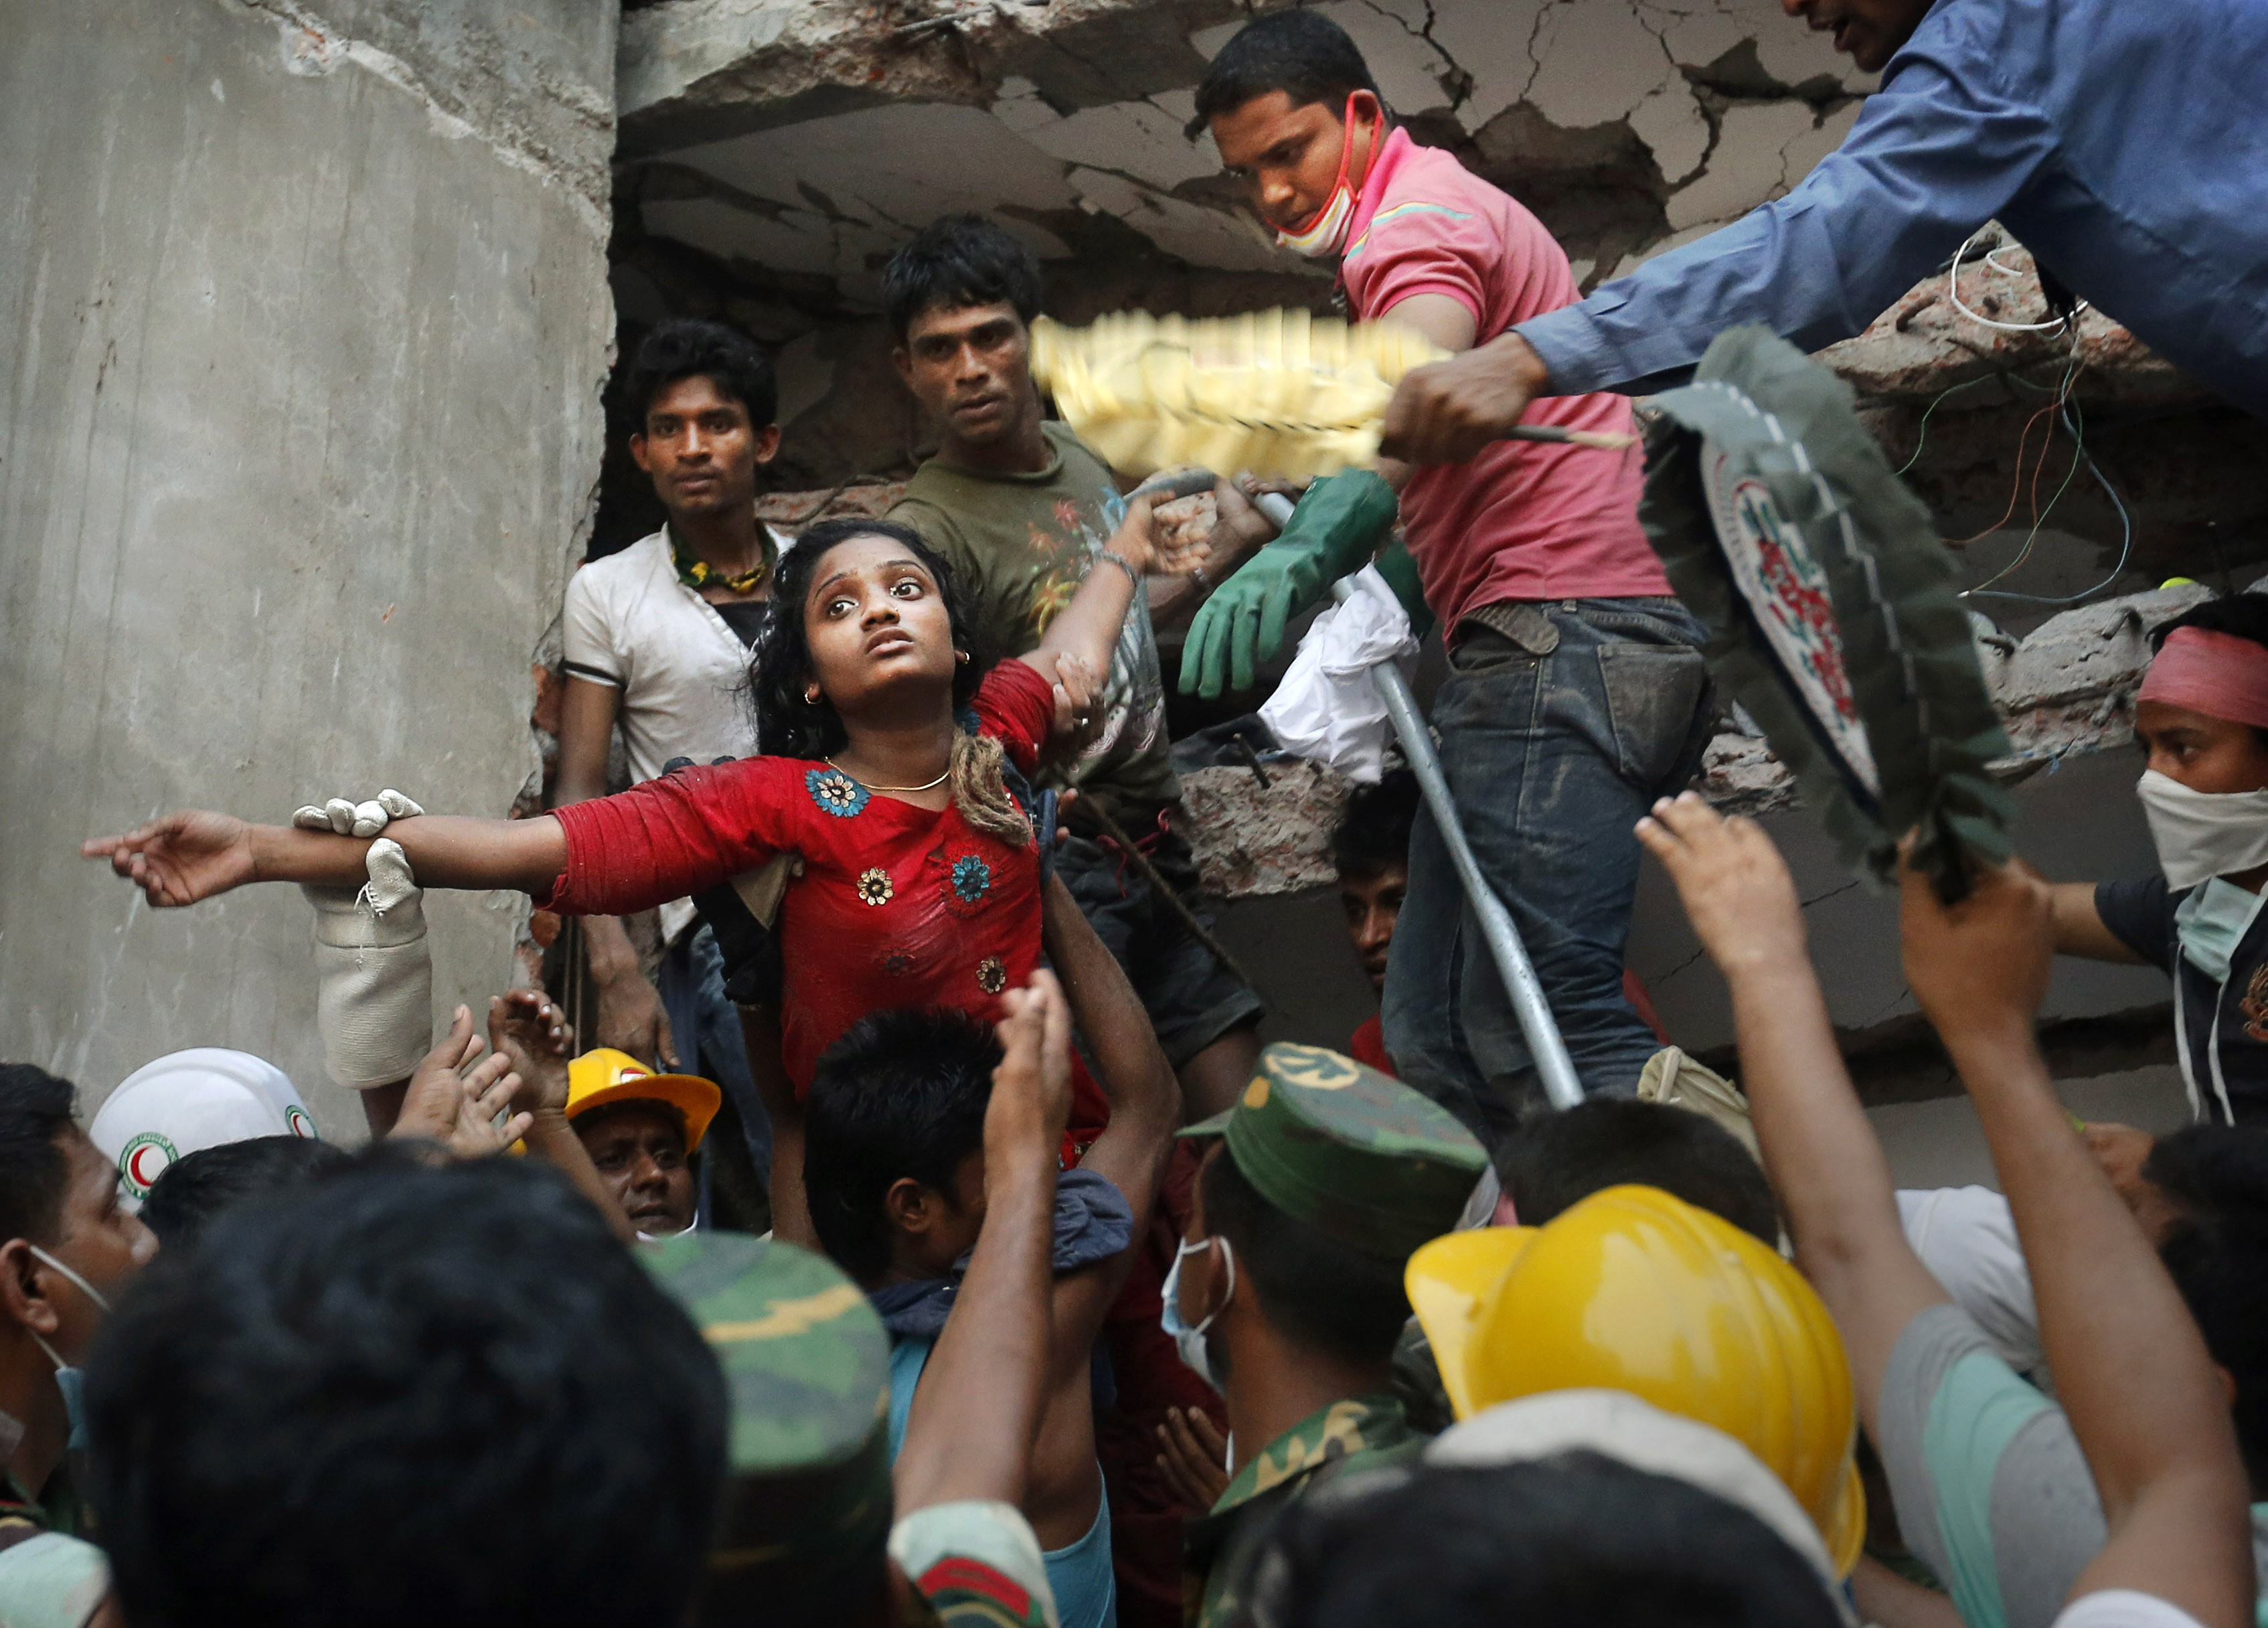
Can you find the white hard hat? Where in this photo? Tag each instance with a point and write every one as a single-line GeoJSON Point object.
{"type": "Point", "coordinates": [190, 1100]}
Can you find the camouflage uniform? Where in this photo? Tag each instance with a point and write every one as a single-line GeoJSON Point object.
{"type": "Point", "coordinates": [807, 1497]}
{"type": "Point", "coordinates": [1369, 1162]}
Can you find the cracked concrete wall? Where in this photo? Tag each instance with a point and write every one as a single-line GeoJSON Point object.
{"type": "Point", "coordinates": [773, 155]}
{"type": "Point", "coordinates": [303, 319]}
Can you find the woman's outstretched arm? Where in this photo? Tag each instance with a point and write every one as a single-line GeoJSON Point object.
{"type": "Point", "coordinates": [196, 854]}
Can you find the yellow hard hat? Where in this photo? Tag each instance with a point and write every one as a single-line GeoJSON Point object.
{"type": "Point", "coordinates": [1633, 1290]}
{"type": "Point", "coordinates": [604, 1076]}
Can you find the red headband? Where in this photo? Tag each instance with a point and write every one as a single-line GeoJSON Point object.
{"type": "Point", "coordinates": [2219, 674]}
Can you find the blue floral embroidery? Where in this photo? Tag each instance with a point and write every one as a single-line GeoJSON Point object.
{"type": "Point", "coordinates": [835, 791]}
{"type": "Point", "coordinates": [972, 878]}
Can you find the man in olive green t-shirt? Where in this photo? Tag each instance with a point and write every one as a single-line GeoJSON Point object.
{"type": "Point", "coordinates": [1021, 509]}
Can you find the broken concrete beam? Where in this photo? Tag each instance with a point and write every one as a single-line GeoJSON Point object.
{"type": "Point", "coordinates": [2066, 688]}
{"type": "Point", "coordinates": [791, 511]}
{"type": "Point", "coordinates": [1925, 345]}
{"type": "Point", "coordinates": [690, 72]}
{"type": "Point", "coordinates": [1252, 839]}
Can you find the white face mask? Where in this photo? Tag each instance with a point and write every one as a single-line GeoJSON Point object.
{"type": "Point", "coordinates": [1190, 1338]}
{"type": "Point", "coordinates": [2203, 834]}
{"type": "Point", "coordinates": [68, 1380]}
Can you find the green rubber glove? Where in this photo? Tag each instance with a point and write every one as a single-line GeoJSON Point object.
{"type": "Point", "coordinates": [1335, 530]}
{"type": "Point", "coordinates": [1401, 574]}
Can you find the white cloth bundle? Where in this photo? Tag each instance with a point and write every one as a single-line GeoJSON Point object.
{"type": "Point", "coordinates": [1327, 708]}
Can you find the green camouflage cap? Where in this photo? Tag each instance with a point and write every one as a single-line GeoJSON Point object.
{"type": "Point", "coordinates": [806, 1370]}
{"type": "Point", "coordinates": [1354, 1152]}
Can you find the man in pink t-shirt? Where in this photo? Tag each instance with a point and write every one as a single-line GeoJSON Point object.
{"type": "Point", "coordinates": [1576, 693]}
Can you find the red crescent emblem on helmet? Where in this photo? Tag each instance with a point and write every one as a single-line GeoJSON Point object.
{"type": "Point", "coordinates": [145, 1164]}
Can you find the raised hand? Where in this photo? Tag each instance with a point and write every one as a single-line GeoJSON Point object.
{"type": "Point", "coordinates": [537, 1040]}
{"type": "Point", "coordinates": [1193, 1458]}
{"type": "Point", "coordinates": [1733, 882]}
{"type": "Point", "coordinates": [454, 1104]}
{"type": "Point", "coordinates": [182, 859]}
{"type": "Point", "coordinates": [1981, 964]}
{"type": "Point", "coordinates": [1031, 1087]}
{"type": "Point", "coordinates": [484, 1127]}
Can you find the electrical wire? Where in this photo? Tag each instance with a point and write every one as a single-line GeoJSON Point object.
{"type": "Point", "coordinates": [2061, 324]}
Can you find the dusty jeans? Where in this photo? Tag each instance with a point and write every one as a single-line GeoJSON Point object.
{"type": "Point", "coordinates": [1558, 728]}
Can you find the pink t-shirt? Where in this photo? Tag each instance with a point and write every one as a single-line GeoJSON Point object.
{"type": "Point", "coordinates": [1521, 522]}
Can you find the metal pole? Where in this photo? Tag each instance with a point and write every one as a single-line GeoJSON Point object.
{"type": "Point", "coordinates": [1540, 1029]}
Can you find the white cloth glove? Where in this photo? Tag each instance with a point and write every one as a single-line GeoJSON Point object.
{"type": "Point", "coordinates": [355, 819]}
{"type": "Point", "coordinates": [374, 968]}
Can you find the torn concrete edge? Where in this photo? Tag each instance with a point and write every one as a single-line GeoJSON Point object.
{"type": "Point", "coordinates": [692, 71]}
{"type": "Point", "coordinates": [313, 47]}
{"type": "Point", "coordinates": [2066, 689]}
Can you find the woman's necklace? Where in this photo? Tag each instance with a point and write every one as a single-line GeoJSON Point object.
{"type": "Point", "coordinates": [926, 787]}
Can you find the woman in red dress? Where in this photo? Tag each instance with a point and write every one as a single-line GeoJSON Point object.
{"type": "Point", "coordinates": [920, 880]}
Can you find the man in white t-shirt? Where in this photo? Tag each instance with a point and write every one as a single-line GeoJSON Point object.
{"type": "Point", "coordinates": [657, 644]}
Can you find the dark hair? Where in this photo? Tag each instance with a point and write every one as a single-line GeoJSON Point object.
{"type": "Point", "coordinates": [2217, 1175]}
{"type": "Point", "coordinates": [308, 1418]}
{"type": "Point", "coordinates": [1324, 1294]}
{"type": "Point", "coordinates": [687, 347]}
{"type": "Point", "coordinates": [962, 260]}
{"type": "Point", "coordinates": [788, 725]}
{"type": "Point", "coordinates": [35, 1118]}
{"type": "Point", "coordinates": [1373, 834]}
{"type": "Point", "coordinates": [191, 1193]}
{"type": "Point", "coordinates": [2244, 614]}
{"type": "Point", "coordinates": [1553, 1162]}
{"type": "Point", "coordinates": [1577, 1537]}
{"type": "Point", "coordinates": [1300, 53]}
{"type": "Point", "coordinates": [902, 1094]}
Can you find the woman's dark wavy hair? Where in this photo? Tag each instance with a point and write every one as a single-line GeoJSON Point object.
{"type": "Point", "coordinates": [787, 725]}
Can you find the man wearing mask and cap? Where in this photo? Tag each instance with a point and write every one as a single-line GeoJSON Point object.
{"type": "Point", "coordinates": [1577, 692]}
{"type": "Point", "coordinates": [2202, 717]}
{"type": "Point", "coordinates": [67, 1247]}
{"type": "Point", "coordinates": [1287, 1292]}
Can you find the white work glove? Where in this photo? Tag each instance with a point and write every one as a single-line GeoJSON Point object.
{"type": "Point", "coordinates": [373, 970]}
{"type": "Point", "coordinates": [355, 819]}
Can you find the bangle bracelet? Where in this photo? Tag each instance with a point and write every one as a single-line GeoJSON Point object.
{"type": "Point", "coordinates": [1126, 565]}
{"type": "Point", "coordinates": [1205, 583]}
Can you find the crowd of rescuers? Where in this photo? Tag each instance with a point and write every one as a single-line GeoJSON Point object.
{"type": "Point", "coordinates": [1081, 1306]}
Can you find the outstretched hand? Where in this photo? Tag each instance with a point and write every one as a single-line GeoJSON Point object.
{"type": "Point", "coordinates": [534, 1038]}
{"type": "Point", "coordinates": [1031, 1087]}
{"type": "Point", "coordinates": [1982, 964]}
{"type": "Point", "coordinates": [457, 1105]}
{"type": "Point", "coordinates": [187, 856]}
{"type": "Point", "coordinates": [1734, 885]}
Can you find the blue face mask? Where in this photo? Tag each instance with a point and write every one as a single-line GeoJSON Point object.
{"type": "Point", "coordinates": [1190, 1338]}
{"type": "Point", "coordinates": [2211, 922]}
{"type": "Point", "coordinates": [68, 1380]}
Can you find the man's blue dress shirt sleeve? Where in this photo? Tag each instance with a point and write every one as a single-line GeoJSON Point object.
{"type": "Point", "coordinates": [1937, 150]}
